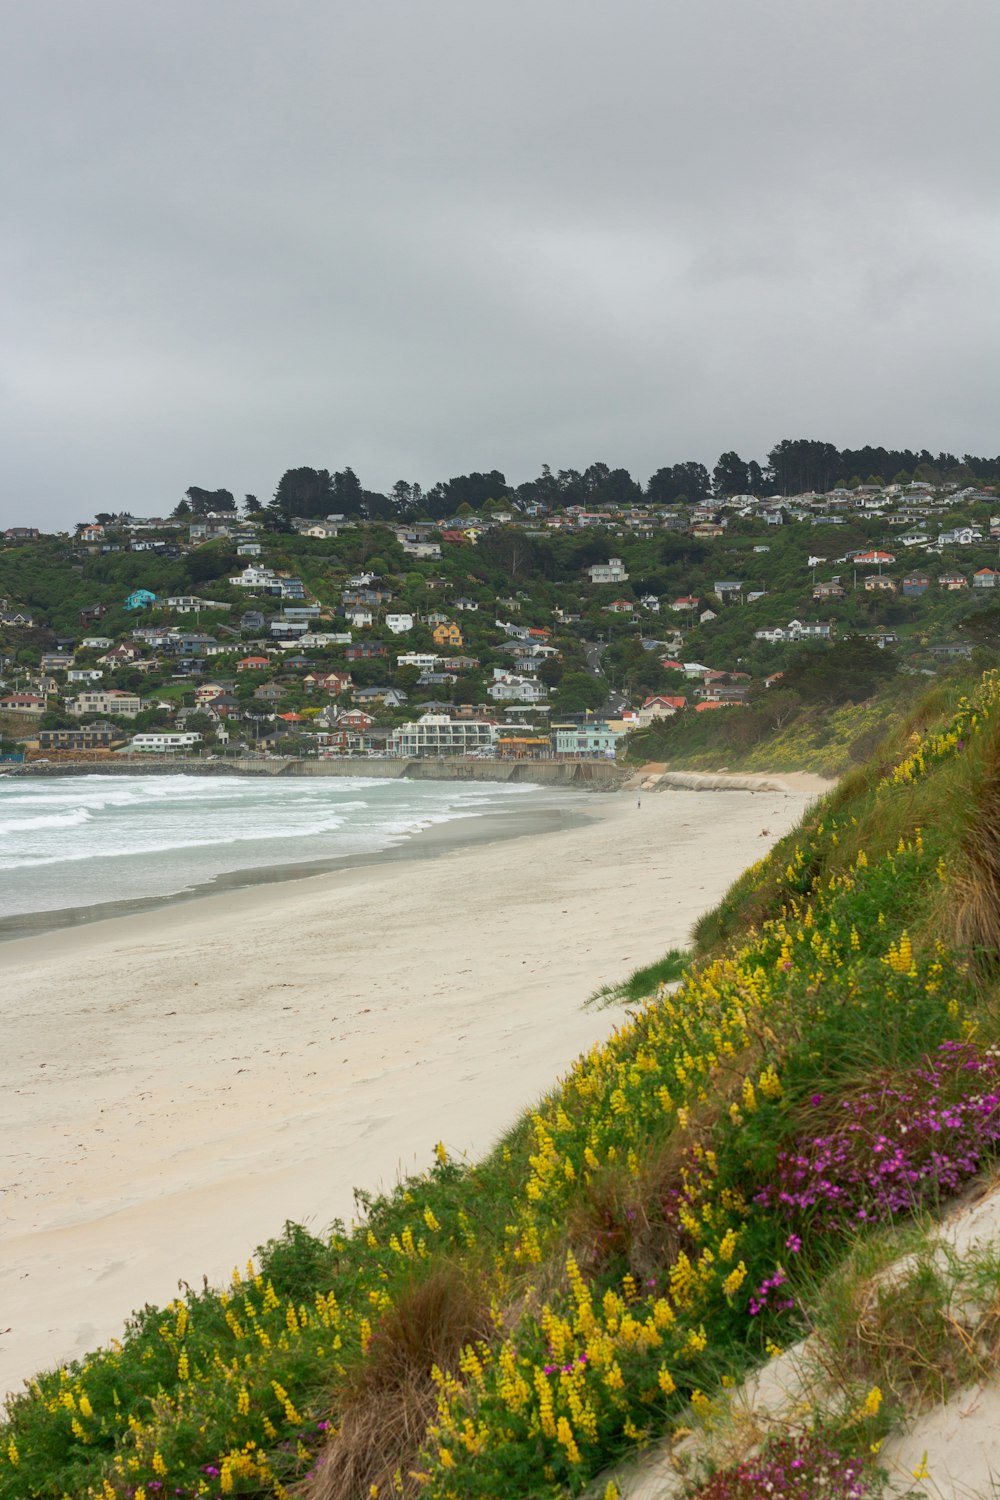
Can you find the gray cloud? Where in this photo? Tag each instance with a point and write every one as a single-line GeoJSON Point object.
{"type": "Point", "coordinates": [419, 236]}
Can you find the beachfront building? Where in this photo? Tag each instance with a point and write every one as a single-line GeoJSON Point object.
{"type": "Point", "coordinates": [584, 741]}
{"type": "Point", "coordinates": [439, 734]}
{"type": "Point", "coordinates": [164, 744]}
{"type": "Point", "coordinates": [87, 737]}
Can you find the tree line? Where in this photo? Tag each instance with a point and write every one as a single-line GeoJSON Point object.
{"type": "Point", "coordinates": [792, 466]}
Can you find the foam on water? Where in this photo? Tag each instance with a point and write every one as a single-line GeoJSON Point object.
{"type": "Point", "coordinates": [158, 835]}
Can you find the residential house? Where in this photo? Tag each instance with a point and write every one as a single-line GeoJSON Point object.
{"type": "Point", "coordinates": [19, 617]}
{"type": "Point", "coordinates": [56, 661]}
{"type": "Point", "coordinates": [90, 614]}
{"type": "Point", "coordinates": [248, 549]}
{"type": "Point", "coordinates": [916, 585]}
{"type": "Point", "coordinates": [985, 578]}
{"type": "Point", "coordinates": [255, 576]}
{"type": "Point", "coordinates": [21, 534]}
{"type": "Point", "coordinates": [84, 674]}
{"type": "Point", "coordinates": [398, 623]}
{"type": "Point", "coordinates": [122, 655]}
{"type": "Point", "coordinates": [354, 718]}
{"type": "Point", "coordinates": [282, 629]}
{"type": "Point", "coordinates": [252, 619]}
{"type": "Point", "coordinates": [728, 590]}
{"type": "Point", "coordinates": [952, 582]}
{"type": "Point", "coordinates": [959, 536]}
{"type": "Point", "coordinates": [414, 548]}
{"type": "Point", "coordinates": [253, 663]}
{"type": "Point", "coordinates": [366, 650]}
{"type": "Point", "coordinates": [328, 682]}
{"type": "Point", "coordinates": [469, 606]}
{"type": "Point", "coordinates": [506, 687]}
{"type": "Point", "coordinates": [97, 643]}
{"type": "Point", "coordinates": [620, 607]}
{"type": "Point", "coordinates": [105, 701]}
{"type": "Point", "coordinates": [388, 697]}
{"type": "Point", "coordinates": [190, 604]}
{"type": "Point", "coordinates": [422, 660]}
{"type": "Point", "coordinates": [447, 635]}
{"type": "Point", "coordinates": [660, 706]}
{"type": "Point", "coordinates": [880, 583]}
{"type": "Point", "coordinates": [22, 703]}
{"type": "Point", "coordinates": [270, 693]}
{"type": "Point", "coordinates": [829, 590]}
{"type": "Point", "coordinates": [359, 616]}
{"type": "Point", "coordinates": [650, 602]}
{"type": "Point", "coordinates": [613, 571]}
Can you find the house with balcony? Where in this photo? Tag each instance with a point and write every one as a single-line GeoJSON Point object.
{"type": "Point", "coordinates": [613, 571]}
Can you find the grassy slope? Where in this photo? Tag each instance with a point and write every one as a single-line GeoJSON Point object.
{"type": "Point", "coordinates": [512, 1327]}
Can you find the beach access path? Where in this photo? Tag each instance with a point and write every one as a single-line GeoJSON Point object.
{"type": "Point", "coordinates": [175, 1084]}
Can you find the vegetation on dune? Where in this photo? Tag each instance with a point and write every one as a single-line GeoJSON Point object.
{"type": "Point", "coordinates": [675, 1212]}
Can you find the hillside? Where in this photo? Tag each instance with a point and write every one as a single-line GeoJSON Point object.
{"type": "Point", "coordinates": [682, 1206]}
{"type": "Point", "coordinates": [328, 637]}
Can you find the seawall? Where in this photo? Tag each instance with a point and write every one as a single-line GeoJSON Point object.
{"type": "Point", "coordinates": [581, 775]}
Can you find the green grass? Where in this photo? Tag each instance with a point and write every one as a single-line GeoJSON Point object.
{"type": "Point", "coordinates": [641, 983]}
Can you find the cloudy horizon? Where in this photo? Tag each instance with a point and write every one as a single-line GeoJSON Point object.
{"type": "Point", "coordinates": [425, 238]}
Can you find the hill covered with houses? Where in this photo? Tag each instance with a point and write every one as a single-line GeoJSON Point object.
{"type": "Point", "coordinates": [513, 627]}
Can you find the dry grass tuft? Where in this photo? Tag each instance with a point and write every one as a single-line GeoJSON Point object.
{"type": "Point", "coordinates": [389, 1398]}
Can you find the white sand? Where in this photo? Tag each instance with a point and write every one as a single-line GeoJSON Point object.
{"type": "Point", "coordinates": [174, 1085]}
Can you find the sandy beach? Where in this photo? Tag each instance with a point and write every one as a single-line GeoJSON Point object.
{"type": "Point", "coordinates": [178, 1083]}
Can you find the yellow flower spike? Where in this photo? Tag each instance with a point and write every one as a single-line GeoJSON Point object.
{"type": "Point", "coordinates": [159, 1467]}
{"type": "Point", "coordinates": [13, 1455]}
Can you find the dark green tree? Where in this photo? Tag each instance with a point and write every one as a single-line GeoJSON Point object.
{"type": "Point", "coordinates": [730, 475]}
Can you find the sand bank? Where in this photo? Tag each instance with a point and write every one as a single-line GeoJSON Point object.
{"type": "Point", "coordinates": [176, 1084]}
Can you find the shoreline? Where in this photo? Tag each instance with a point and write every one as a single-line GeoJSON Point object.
{"type": "Point", "coordinates": [463, 829]}
{"type": "Point", "coordinates": [178, 1083]}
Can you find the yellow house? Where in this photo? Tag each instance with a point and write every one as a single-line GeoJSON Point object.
{"type": "Point", "coordinates": [447, 635]}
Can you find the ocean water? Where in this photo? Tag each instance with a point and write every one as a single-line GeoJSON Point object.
{"type": "Point", "coordinates": [83, 841]}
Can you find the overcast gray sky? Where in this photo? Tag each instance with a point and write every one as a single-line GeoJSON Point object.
{"type": "Point", "coordinates": [425, 236]}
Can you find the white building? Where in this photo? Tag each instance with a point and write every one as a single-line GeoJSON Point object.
{"type": "Point", "coordinates": [398, 624]}
{"type": "Point", "coordinates": [164, 743]}
{"type": "Point", "coordinates": [189, 604]}
{"type": "Point", "coordinates": [102, 702]}
{"type": "Point", "coordinates": [438, 734]}
{"type": "Point", "coordinates": [255, 578]}
{"type": "Point", "coordinates": [423, 660]}
{"type": "Point", "coordinates": [613, 571]}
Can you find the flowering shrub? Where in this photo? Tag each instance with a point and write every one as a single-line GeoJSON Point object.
{"type": "Point", "coordinates": [898, 1144]}
{"type": "Point", "coordinates": [803, 1468]}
